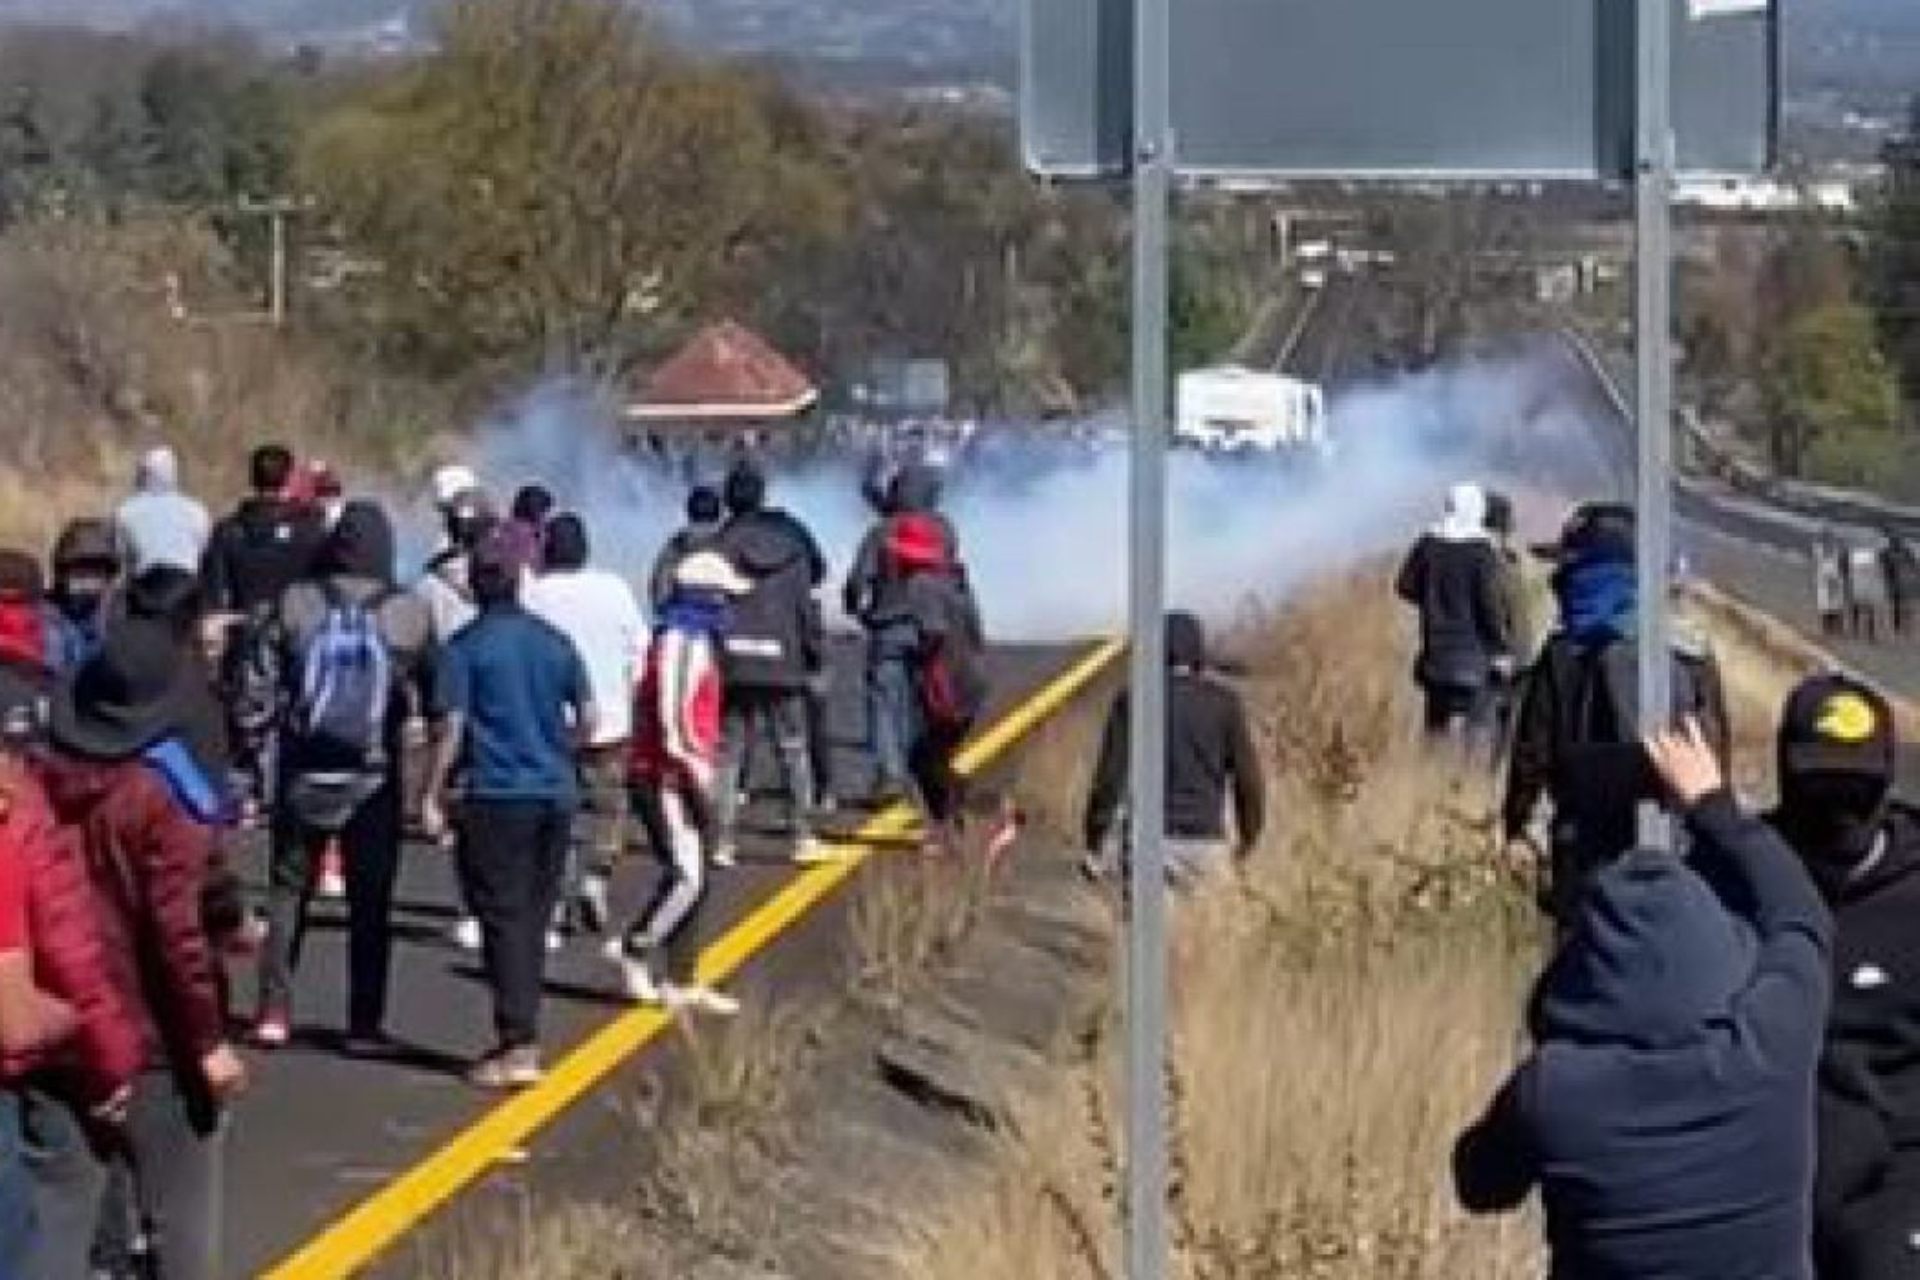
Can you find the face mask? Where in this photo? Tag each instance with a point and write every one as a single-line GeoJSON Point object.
{"type": "Point", "coordinates": [82, 601]}
{"type": "Point", "coordinates": [1833, 818]}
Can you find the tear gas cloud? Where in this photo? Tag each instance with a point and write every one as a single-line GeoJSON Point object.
{"type": "Point", "coordinates": [1043, 525]}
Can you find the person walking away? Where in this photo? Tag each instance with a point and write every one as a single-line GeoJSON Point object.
{"type": "Point", "coordinates": [1452, 577]}
{"type": "Point", "coordinates": [1665, 1111]}
{"type": "Point", "coordinates": [515, 705]}
{"type": "Point", "coordinates": [1576, 742]}
{"type": "Point", "coordinates": [1830, 585]}
{"type": "Point", "coordinates": [674, 769]}
{"type": "Point", "coordinates": [705, 516]}
{"type": "Point", "coordinates": [29, 645]}
{"type": "Point", "coordinates": [68, 1043]}
{"type": "Point", "coordinates": [1837, 756]}
{"type": "Point", "coordinates": [1210, 756]}
{"type": "Point", "coordinates": [526, 527]}
{"type": "Point", "coordinates": [875, 596]}
{"type": "Point", "coordinates": [596, 610]}
{"type": "Point", "coordinates": [771, 648]}
{"type": "Point", "coordinates": [267, 544]}
{"type": "Point", "coordinates": [86, 572]}
{"type": "Point", "coordinates": [1902, 569]}
{"type": "Point", "coordinates": [1870, 594]}
{"type": "Point", "coordinates": [445, 587]}
{"type": "Point", "coordinates": [159, 524]}
{"type": "Point", "coordinates": [118, 782]}
{"type": "Point", "coordinates": [351, 652]}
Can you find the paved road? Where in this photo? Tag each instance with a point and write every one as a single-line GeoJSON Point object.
{"type": "Point", "coordinates": [320, 1132]}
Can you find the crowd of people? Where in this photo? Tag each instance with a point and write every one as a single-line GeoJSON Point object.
{"type": "Point", "coordinates": [168, 681]}
{"type": "Point", "coordinates": [1723, 1076]}
{"type": "Point", "coordinates": [1866, 586]}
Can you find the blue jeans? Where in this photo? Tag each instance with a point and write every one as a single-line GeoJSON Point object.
{"type": "Point", "coordinates": [892, 714]}
{"type": "Point", "coordinates": [16, 1190]}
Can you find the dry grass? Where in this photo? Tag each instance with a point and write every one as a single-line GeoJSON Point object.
{"type": "Point", "coordinates": [1312, 1107]}
{"type": "Point", "coordinates": [907, 914]}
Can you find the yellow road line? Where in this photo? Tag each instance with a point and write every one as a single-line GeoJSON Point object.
{"type": "Point", "coordinates": [376, 1223]}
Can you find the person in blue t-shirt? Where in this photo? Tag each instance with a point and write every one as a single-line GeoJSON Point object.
{"type": "Point", "coordinates": [515, 708]}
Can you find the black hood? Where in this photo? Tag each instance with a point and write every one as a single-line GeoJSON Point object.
{"type": "Point", "coordinates": [763, 543]}
{"type": "Point", "coordinates": [1842, 880]}
{"type": "Point", "coordinates": [1653, 959]}
{"type": "Point", "coordinates": [916, 487]}
{"type": "Point", "coordinates": [361, 545]}
{"type": "Point", "coordinates": [1186, 642]}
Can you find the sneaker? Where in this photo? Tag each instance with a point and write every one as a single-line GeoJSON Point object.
{"type": "Point", "coordinates": [810, 851]}
{"type": "Point", "coordinates": [590, 905]}
{"type": "Point", "coordinates": [272, 1030]}
{"type": "Point", "coordinates": [636, 973]}
{"type": "Point", "coordinates": [332, 880]}
{"type": "Point", "coordinates": [466, 934]}
{"type": "Point", "coordinates": [514, 1068]}
{"type": "Point", "coordinates": [725, 855]}
{"type": "Point", "coordinates": [700, 999]}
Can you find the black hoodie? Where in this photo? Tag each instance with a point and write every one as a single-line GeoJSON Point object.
{"type": "Point", "coordinates": [872, 595]}
{"type": "Point", "coordinates": [774, 633]}
{"type": "Point", "coordinates": [1666, 1111]}
{"type": "Point", "coordinates": [259, 551]}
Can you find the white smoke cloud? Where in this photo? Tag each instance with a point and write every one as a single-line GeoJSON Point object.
{"type": "Point", "coordinates": [1044, 530]}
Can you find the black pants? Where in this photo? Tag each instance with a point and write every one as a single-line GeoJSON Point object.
{"type": "Point", "coordinates": [930, 757]}
{"type": "Point", "coordinates": [512, 857]}
{"type": "Point", "coordinates": [173, 1147]}
{"type": "Point", "coordinates": [370, 847]}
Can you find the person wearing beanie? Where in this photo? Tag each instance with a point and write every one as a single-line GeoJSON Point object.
{"type": "Point", "coordinates": [674, 768]}
{"type": "Point", "coordinates": [1210, 758]}
{"type": "Point", "coordinates": [515, 706]}
{"type": "Point", "coordinates": [773, 649]}
{"type": "Point", "coordinates": [159, 524]}
{"type": "Point", "coordinates": [1576, 740]}
{"type": "Point", "coordinates": [348, 653]}
{"type": "Point", "coordinates": [87, 563]}
{"type": "Point", "coordinates": [1837, 756]}
{"type": "Point", "coordinates": [597, 611]}
{"type": "Point", "coordinates": [1454, 578]}
{"type": "Point", "coordinates": [1665, 1109]}
{"type": "Point", "coordinates": [705, 515]}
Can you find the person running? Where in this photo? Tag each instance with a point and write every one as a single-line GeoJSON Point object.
{"type": "Point", "coordinates": [596, 610]}
{"type": "Point", "coordinates": [124, 788]}
{"type": "Point", "coordinates": [87, 564]}
{"type": "Point", "coordinates": [705, 516]}
{"type": "Point", "coordinates": [349, 653]}
{"type": "Point", "coordinates": [1454, 578]}
{"type": "Point", "coordinates": [673, 769]}
{"type": "Point", "coordinates": [1664, 1110]}
{"type": "Point", "coordinates": [515, 704]}
{"type": "Point", "coordinates": [1830, 584]}
{"type": "Point", "coordinates": [772, 646]}
{"type": "Point", "coordinates": [1837, 758]}
{"type": "Point", "coordinates": [266, 545]}
{"type": "Point", "coordinates": [1576, 741]}
{"type": "Point", "coordinates": [1210, 756]}
{"type": "Point", "coordinates": [159, 524]}
{"type": "Point", "coordinates": [875, 596]}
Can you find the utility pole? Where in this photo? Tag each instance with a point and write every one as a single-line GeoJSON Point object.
{"type": "Point", "coordinates": [277, 210]}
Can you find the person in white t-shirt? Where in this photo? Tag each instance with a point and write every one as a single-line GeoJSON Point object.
{"type": "Point", "coordinates": [598, 611]}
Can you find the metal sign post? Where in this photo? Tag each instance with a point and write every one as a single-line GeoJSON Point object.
{"type": "Point", "coordinates": [1146, 987]}
{"type": "Point", "coordinates": [1653, 357]}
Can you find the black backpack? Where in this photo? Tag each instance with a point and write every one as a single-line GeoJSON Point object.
{"type": "Point", "coordinates": [950, 669]}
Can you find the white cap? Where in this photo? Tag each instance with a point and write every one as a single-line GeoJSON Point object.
{"type": "Point", "coordinates": [452, 480]}
{"type": "Point", "coordinates": [710, 571]}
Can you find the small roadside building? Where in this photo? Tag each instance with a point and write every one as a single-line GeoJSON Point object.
{"type": "Point", "coordinates": [726, 382]}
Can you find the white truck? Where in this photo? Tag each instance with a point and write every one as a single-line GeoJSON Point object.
{"type": "Point", "coordinates": [1234, 410]}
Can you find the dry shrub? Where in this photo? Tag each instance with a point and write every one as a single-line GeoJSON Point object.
{"type": "Point", "coordinates": [544, 1241]}
{"type": "Point", "coordinates": [907, 914]}
{"type": "Point", "coordinates": [1337, 1019]}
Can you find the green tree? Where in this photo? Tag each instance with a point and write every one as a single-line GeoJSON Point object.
{"type": "Point", "coordinates": [1894, 263]}
{"type": "Point", "coordinates": [1832, 396]}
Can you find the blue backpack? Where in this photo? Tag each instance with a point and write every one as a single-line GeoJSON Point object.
{"type": "Point", "coordinates": [344, 687]}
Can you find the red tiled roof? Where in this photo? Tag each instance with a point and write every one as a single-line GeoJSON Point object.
{"type": "Point", "coordinates": [726, 371]}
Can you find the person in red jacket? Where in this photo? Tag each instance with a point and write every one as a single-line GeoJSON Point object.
{"type": "Point", "coordinates": [66, 1037]}
{"type": "Point", "coordinates": [675, 755]}
{"type": "Point", "coordinates": [122, 785]}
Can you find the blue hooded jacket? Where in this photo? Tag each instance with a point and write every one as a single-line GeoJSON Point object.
{"type": "Point", "coordinates": [1666, 1111]}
